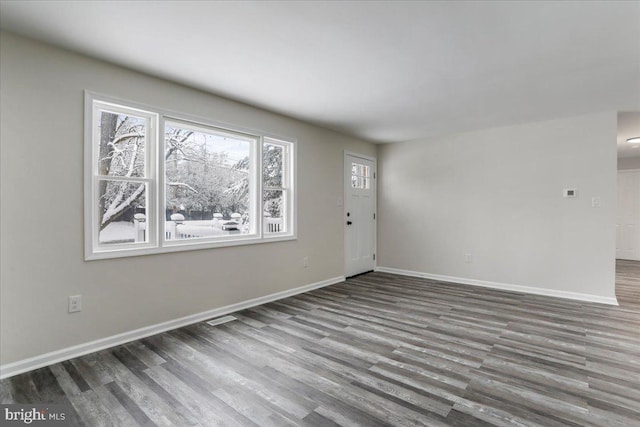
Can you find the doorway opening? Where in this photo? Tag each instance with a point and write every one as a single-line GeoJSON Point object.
{"type": "Point", "coordinates": [628, 210]}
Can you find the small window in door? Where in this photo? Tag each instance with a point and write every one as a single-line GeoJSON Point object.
{"type": "Point", "coordinates": [360, 176]}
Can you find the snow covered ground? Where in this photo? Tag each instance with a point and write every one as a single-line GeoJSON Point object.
{"type": "Point", "coordinates": [124, 232]}
{"type": "Point", "coordinates": [118, 232]}
{"type": "Point", "coordinates": [199, 229]}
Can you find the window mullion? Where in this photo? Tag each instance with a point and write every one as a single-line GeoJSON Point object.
{"type": "Point", "coordinates": [260, 190]}
{"type": "Point", "coordinates": [161, 196]}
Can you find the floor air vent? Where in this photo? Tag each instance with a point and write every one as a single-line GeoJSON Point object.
{"type": "Point", "coordinates": [221, 320]}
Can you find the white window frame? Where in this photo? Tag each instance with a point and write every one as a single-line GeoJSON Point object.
{"type": "Point", "coordinates": [254, 174]}
{"type": "Point", "coordinates": [155, 180]}
{"type": "Point", "coordinates": [287, 188]}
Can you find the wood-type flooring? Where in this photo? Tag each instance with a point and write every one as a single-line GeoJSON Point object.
{"type": "Point", "coordinates": [378, 349]}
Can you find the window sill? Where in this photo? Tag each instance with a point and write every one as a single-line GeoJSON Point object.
{"type": "Point", "coordinates": [170, 247]}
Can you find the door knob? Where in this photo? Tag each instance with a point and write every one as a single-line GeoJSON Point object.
{"type": "Point", "coordinates": [349, 223]}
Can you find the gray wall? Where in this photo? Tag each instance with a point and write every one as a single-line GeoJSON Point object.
{"type": "Point", "coordinates": [497, 194]}
{"type": "Point", "coordinates": [628, 163]}
{"type": "Point", "coordinates": [41, 115]}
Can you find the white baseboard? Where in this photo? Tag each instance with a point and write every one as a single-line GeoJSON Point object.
{"type": "Point", "coordinates": [502, 286]}
{"type": "Point", "coordinates": [21, 366]}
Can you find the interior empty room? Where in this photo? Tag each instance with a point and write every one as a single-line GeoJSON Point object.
{"type": "Point", "coordinates": [319, 213]}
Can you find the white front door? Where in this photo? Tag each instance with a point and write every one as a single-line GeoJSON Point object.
{"type": "Point", "coordinates": [628, 216]}
{"type": "Point", "coordinates": [359, 214]}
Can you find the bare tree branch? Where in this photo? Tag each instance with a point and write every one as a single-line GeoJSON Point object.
{"type": "Point", "coordinates": [183, 184]}
{"type": "Point", "coordinates": [118, 206]}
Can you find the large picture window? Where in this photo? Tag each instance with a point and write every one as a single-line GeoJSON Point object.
{"type": "Point", "coordinates": [208, 182]}
{"type": "Point", "coordinates": [159, 182]}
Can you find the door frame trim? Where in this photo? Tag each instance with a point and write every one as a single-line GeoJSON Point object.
{"type": "Point", "coordinates": [374, 182]}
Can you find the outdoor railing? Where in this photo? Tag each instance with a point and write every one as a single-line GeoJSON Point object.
{"type": "Point", "coordinates": [179, 228]}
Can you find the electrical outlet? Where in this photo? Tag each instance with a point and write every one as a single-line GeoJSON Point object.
{"type": "Point", "coordinates": [596, 202]}
{"type": "Point", "coordinates": [305, 262]}
{"type": "Point", "coordinates": [75, 303]}
{"type": "Point", "coordinates": [468, 258]}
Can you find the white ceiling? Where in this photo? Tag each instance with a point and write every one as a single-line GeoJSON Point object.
{"type": "Point", "coordinates": [383, 71]}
